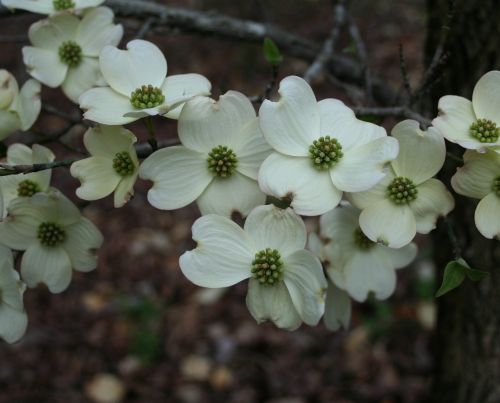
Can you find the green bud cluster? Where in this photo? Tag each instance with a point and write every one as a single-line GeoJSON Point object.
{"type": "Point", "coordinates": [51, 234]}
{"type": "Point", "coordinates": [147, 96]}
{"type": "Point", "coordinates": [402, 190]}
{"type": "Point", "coordinates": [222, 161]}
{"type": "Point", "coordinates": [123, 164]}
{"type": "Point", "coordinates": [496, 186]}
{"type": "Point", "coordinates": [27, 188]}
{"type": "Point", "coordinates": [60, 5]}
{"type": "Point", "coordinates": [484, 130]}
{"type": "Point", "coordinates": [325, 152]}
{"type": "Point", "coordinates": [267, 267]}
{"type": "Point", "coordinates": [361, 240]}
{"type": "Point", "coordinates": [70, 53]}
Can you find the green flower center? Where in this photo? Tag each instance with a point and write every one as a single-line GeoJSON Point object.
{"type": "Point", "coordinates": [402, 190]}
{"type": "Point", "coordinates": [60, 5]}
{"type": "Point", "coordinates": [70, 53]}
{"type": "Point", "coordinates": [222, 161]}
{"type": "Point", "coordinates": [51, 234]}
{"type": "Point", "coordinates": [147, 96]}
{"type": "Point", "coordinates": [27, 188]}
{"type": "Point", "coordinates": [123, 164]}
{"type": "Point", "coordinates": [496, 186]}
{"type": "Point", "coordinates": [484, 130]}
{"type": "Point", "coordinates": [325, 152]}
{"type": "Point", "coordinates": [361, 240]}
{"type": "Point", "coordinates": [267, 267]}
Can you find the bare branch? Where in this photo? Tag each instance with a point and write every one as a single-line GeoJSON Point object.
{"type": "Point", "coordinates": [404, 72]}
{"type": "Point", "coordinates": [362, 54]}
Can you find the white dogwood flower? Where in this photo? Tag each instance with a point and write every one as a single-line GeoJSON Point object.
{"type": "Point", "coordinates": [18, 109]}
{"type": "Point", "coordinates": [218, 161]}
{"type": "Point", "coordinates": [408, 200]}
{"type": "Point", "coordinates": [479, 178]}
{"type": "Point", "coordinates": [25, 185]}
{"type": "Point", "coordinates": [321, 149]}
{"type": "Point", "coordinates": [138, 86]}
{"type": "Point", "coordinates": [338, 308]}
{"type": "Point", "coordinates": [54, 236]}
{"type": "Point", "coordinates": [51, 6]}
{"type": "Point", "coordinates": [65, 49]}
{"type": "Point", "coordinates": [286, 285]}
{"type": "Point", "coordinates": [13, 318]}
{"type": "Point", "coordinates": [353, 262]}
{"type": "Point", "coordinates": [472, 124]}
{"type": "Point", "coordinates": [112, 166]}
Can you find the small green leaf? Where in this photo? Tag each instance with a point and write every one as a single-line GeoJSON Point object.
{"type": "Point", "coordinates": [454, 274]}
{"type": "Point", "coordinates": [271, 52]}
{"type": "Point", "coordinates": [472, 274]}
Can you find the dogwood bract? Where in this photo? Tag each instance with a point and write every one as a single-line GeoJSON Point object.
{"type": "Point", "coordinates": [472, 124]}
{"type": "Point", "coordinates": [408, 200]}
{"type": "Point", "coordinates": [25, 185]}
{"type": "Point", "coordinates": [18, 109]}
{"type": "Point", "coordinates": [479, 178]}
{"type": "Point", "coordinates": [65, 49]}
{"type": "Point", "coordinates": [54, 236]}
{"type": "Point", "coordinates": [51, 6]}
{"type": "Point", "coordinates": [13, 318]}
{"type": "Point", "coordinates": [321, 149]}
{"type": "Point", "coordinates": [338, 308]}
{"type": "Point", "coordinates": [112, 167]}
{"type": "Point", "coordinates": [138, 86]}
{"type": "Point", "coordinates": [287, 284]}
{"type": "Point", "coordinates": [217, 164]}
{"type": "Point", "coordinates": [355, 263]}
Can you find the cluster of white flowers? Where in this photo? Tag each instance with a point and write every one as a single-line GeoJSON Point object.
{"type": "Point", "coordinates": [373, 191]}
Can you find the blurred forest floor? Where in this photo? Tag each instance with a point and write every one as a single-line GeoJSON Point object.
{"type": "Point", "coordinates": [136, 328]}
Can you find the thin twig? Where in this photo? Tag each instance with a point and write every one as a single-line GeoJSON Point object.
{"type": "Point", "coordinates": [145, 28]}
{"type": "Point", "coordinates": [404, 72]}
{"type": "Point", "coordinates": [362, 55]}
{"type": "Point", "coordinates": [57, 112]}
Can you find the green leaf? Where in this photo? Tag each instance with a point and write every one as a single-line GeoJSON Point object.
{"type": "Point", "coordinates": [454, 274]}
{"type": "Point", "coordinates": [351, 48]}
{"type": "Point", "coordinates": [271, 52]}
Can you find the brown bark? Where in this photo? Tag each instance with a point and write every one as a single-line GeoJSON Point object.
{"type": "Point", "coordinates": [467, 339]}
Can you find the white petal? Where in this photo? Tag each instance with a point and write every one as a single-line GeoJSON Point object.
{"type": "Point", "coordinates": [235, 194]}
{"type": "Point", "coordinates": [271, 227]}
{"type": "Point", "coordinates": [487, 216]}
{"type": "Point", "coordinates": [337, 308]}
{"type": "Point", "coordinates": [7, 259]}
{"type": "Point", "coordinates": [312, 191]}
{"type": "Point", "coordinates": [388, 223]}
{"type": "Point", "coordinates": [50, 33]}
{"type": "Point", "coordinates": [48, 265]}
{"type": "Point", "coordinates": [13, 323]}
{"type": "Point", "coordinates": [82, 240]}
{"type": "Point", "coordinates": [97, 30]}
{"type": "Point", "coordinates": [252, 151]}
{"type": "Point", "coordinates": [29, 104]}
{"type": "Point", "coordinates": [179, 175]}
{"type": "Point", "coordinates": [485, 98]}
{"type": "Point", "coordinates": [315, 245]}
{"type": "Point", "coordinates": [35, 6]}
{"type": "Point", "coordinates": [182, 87]}
{"type": "Point", "coordinates": [400, 257]}
{"type": "Point", "coordinates": [291, 124]}
{"type": "Point", "coordinates": [363, 167]}
{"type": "Point", "coordinates": [340, 122]}
{"type": "Point", "coordinates": [369, 271]}
{"type": "Point", "coordinates": [107, 141]}
{"type": "Point", "coordinates": [455, 118]}
{"type": "Point", "coordinates": [205, 123]}
{"type": "Point", "coordinates": [97, 176]}
{"type": "Point", "coordinates": [222, 256]}
{"type": "Point", "coordinates": [81, 78]}
{"type": "Point", "coordinates": [272, 303]}
{"type": "Point", "coordinates": [476, 177]}
{"type": "Point", "coordinates": [19, 230]}
{"type": "Point", "coordinates": [433, 200]}
{"type": "Point", "coordinates": [142, 63]}
{"type": "Point", "coordinates": [45, 66]}
{"type": "Point", "coordinates": [105, 106]}
{"type": "Point", "coordinates": [52, 206]}
{"type": "Point", "coordinates": [415, 146]}
{"type": "Point", "coordinates": [79, 4]}
{"type": "Point", "coordinates": [339, 222]}
{"type": "Point", "coordinates": [306, 284]}
{"type": "Point", "coordinates": [365, 199]}
{"type": "Point", "coordinates": [125, 190]}
{"type": "Point", "coordinates": [9, 123]}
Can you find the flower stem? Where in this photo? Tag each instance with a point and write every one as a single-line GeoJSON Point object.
{"type": "Point", "coordinates": [151, 131]}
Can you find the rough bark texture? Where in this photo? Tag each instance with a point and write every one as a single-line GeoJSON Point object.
{"type": "Point", "coordinates": [467, 341]}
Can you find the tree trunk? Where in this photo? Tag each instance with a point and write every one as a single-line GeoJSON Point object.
{"type": "Point", "coordinates": [467, 339]}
